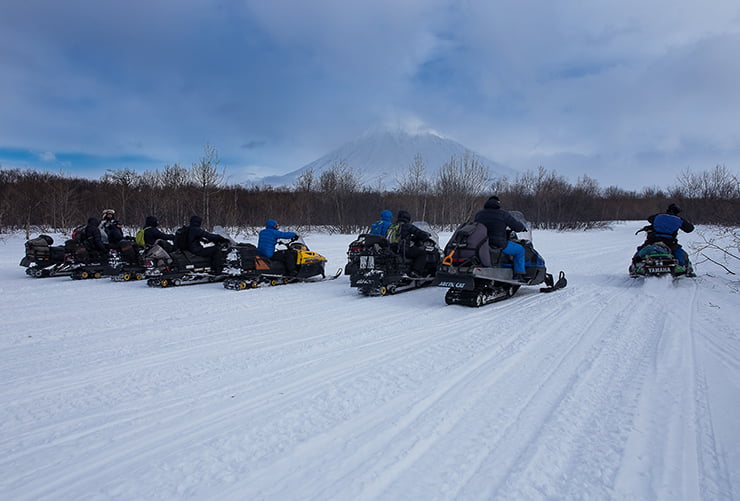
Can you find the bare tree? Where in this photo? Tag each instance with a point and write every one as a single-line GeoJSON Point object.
{"type": "Point", "coordinates": [207, 178]}
{"type": "Point", "coordinates": [175, 181]}
{"type": "Point", "coordinates": [416, 185]}
{"type": "Point", "coordinates": [305, 186]}
{"type": "Point", "coordinates": [721, 247]}
{"type": "Point", "coordinates": [125, 180]}
{"type": "Point", "coordinates": [62, 203]}
{"type": "Point", "coordinates": [306, 181]}
{"type": "Point", "coordinates": [459, 184]}
{"type": "Point", "coordinates": [338, 184]}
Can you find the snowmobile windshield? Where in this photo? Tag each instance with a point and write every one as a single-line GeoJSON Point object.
{"type": "Point", "coordinates": [424, 226]}
{"type": "Point", "coordinates": [288, 241]}
{"type": "Point", "coordinates": [522, 235]}
{"type": "Point", "coordinates": [219, 230]}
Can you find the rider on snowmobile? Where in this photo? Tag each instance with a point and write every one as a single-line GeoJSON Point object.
{"type": "Point", "coordinates": [268, 238]}
{"type": "Point", "coordinates": [111, 230]}
{"type": "Point", "coordinates": [152, 233]}
{"type": "Point", "coordinates": [196, 235]}
{"type": "Point", "coordinates": [380, 227]}
{"type": "Point", "coordinates": [664, 228]}
{"type": "Point", "coordinates": [497, 220]}
{"type": "Point", "coordinates": [404, 237]}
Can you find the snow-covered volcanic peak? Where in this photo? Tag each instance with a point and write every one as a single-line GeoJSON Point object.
{"type": "Point", "coordinates": [383, 154]}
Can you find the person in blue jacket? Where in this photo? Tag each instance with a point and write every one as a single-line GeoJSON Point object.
{"type": "Point", "coordinates": [268, 238]}
{"type": "Point", "coordinates": [380, 227]}
{"type": "Point", "coordinates": [664, 228]}
{"type": "Point", "coordinates": [497, 220]}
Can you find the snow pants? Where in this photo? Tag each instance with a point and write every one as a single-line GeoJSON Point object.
{"type": "Point", "coordinates": [516, 251]}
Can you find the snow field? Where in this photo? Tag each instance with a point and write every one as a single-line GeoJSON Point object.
{"type": "Point", "coordinates": [612, 388]}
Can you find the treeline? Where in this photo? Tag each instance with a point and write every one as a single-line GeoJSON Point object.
{"type": "Point", "coordinates": [337, 200]}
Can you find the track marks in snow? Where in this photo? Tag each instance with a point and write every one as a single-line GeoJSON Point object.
{"type": "Point", "coordinates": [602, 390]}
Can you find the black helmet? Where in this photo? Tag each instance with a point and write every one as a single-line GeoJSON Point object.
{"type": "Point", "coordinates": [673, 209]}
{"type": "Point", "coordinates": [404, 216]}
{"type": "Point", "coordinates": [493, 202]}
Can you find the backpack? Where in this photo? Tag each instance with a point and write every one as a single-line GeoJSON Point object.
{"type": "Point", "coordinates": [181, 238]}
{"type": "Point", "coordinates": [78, 234]}
{"type": "Point", "coordinates": [392, 234]}
{"type": "Point", "coordinates": [39, 248]}
{"type": "Point", "coordinates": [140, 237]}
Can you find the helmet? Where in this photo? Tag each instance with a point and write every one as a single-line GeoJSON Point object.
{"type": "Point", "coordinates": [109, 211]}
{"type": "Point", "coordinates": [493, 202]}
{"type": "Point", "coordinates": [673, 209]}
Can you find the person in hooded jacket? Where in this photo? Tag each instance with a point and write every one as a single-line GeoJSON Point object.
{"type": "Point", "coordinates": [409, 241]}
{"type": "Point", "coordinates": [497, 221]}
{"type": "Point", "coordinates": [197, 235]}
{"type": "Point", "coordinates": [380, 227]}
{"type": "Point", "coordinates": [93, 241]}
{"type": "Point", "coordinates": [111, 230]}
{"type": "Point", "coordinates": [152, 233]}
{"type": "Point", "coordinates": [664, 228]}
{"type": "Point", "coordinates": [268, 238]}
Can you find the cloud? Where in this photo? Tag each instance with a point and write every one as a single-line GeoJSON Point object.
{"type": "Point", "coordinates": [521, 82]}
{"type": "Point", "coordinates": [253, 144]}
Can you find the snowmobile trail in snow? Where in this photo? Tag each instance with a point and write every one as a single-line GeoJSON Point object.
{"type": "Point", "coordinates": [610, 388]}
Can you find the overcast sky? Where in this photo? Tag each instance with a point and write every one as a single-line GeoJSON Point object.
{"type": "Point", "coordinates": [617, 90]}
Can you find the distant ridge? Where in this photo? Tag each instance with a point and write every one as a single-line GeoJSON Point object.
{"type": "Point", "coordinates": [383, 155]}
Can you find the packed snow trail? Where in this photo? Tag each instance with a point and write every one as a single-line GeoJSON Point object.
{"type": "Point", "coordinates": [613, 388]}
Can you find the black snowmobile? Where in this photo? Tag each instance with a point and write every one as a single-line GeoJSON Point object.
{"type": "Point", "coordinates": [43, 259]}
{"type": "Point", "coordinates": [377, 270]}
{"type": "Point", "coordinates": [127, 262]}
{"type": "Point", "coordinates": [655, 259]}
{"type": "Point", "coordinates": [167, 266]}
{"type": "Point", "coordinates": [248, 269]}
{"type": "Point", "coordinates": [477, 274]}
{"type": "Point", "coordinates": [122, 263]}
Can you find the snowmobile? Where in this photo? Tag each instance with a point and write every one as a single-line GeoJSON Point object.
{"type": "Point", "coordinates": [375, 269]}
{"type": "Point", "coordinates": [122, 264]}
{"type": "Point", "coordinates": [655, 259]}
{"type": "Point", "coordinates": [180, 267]}
{"type": "Point", "coordinates": [249, 269]}
{"type": "Point", "coordinates": [43, 259]}
{"type": "Point", "coordinates": [476, 274]}
{"type": "Point", "coordinates": [127, 262]}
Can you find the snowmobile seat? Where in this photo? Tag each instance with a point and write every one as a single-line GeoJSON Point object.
{"type": "Point", "coordinates": [469, 246]}
{"type": "Point", "coordinates": [57, 253]}
{"type": "Point", "coordinates": [496, 255]}
{"type": "Point", "coordinates": [370, 240]}
{"type": "Point", "coordinates": [186, 258]}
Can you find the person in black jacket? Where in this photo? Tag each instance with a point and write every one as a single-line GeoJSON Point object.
{"type": "Point", "coordinates": [497, 220]}
{"type": "Point", "coordinates": [197, 235]}
{"type": "Point", "coordinates": [152, 233]}
{"type": "Point", "coordinates": [409, 242]}
{"type": "Point", "coordinates": [93, 241]}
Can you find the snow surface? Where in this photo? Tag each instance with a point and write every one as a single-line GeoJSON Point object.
{"type": "Point", "coordinates": [612, 388]}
